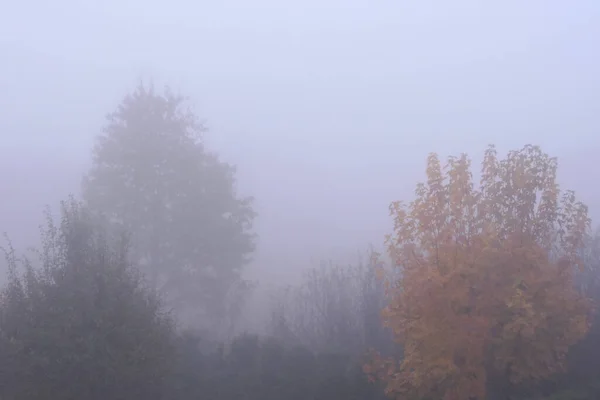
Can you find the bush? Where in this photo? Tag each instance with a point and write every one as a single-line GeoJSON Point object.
{"type": "Point", "coordinates": [81, 324]}
{"type": "Point", "coordinates": [264, 369]}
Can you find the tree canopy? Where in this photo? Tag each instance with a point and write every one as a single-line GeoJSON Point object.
{"type": "Point", "coordinates": [152, 176]}
{"type": "Point", "coordinates": [80, 324]}
{"type": "Point", "coordinates": [486, 297]}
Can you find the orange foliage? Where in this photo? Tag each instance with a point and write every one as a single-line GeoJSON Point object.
{"type": "Point", "coordinates": [486, 277]}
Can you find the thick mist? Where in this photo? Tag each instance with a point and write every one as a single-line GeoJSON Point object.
{"type": "Point", "coordinates": [327, 109]}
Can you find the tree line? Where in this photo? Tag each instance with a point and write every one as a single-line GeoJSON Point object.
{"type": "Point", "coordinates": [489, 290]}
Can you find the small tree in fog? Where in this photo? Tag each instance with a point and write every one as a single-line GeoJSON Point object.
{"type": "Point", "coordinates": [80, 325]}
{"type": "Point", "coordinates": [152, 175]}
{"type": "Point", "coordinates": [335, 309]}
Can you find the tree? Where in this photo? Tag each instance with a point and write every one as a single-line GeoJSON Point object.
{"type": "Point", "coordinates": [152, 175]}
{"type": "Point", "coordinates": [486, 297]}
{"type": "Point", "coordinates": [334, 309]}
{"type": "Point", "coordinates": [81, 324]}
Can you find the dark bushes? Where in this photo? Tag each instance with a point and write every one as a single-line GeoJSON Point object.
{"type": "Point", "coordinates": [254, 368]}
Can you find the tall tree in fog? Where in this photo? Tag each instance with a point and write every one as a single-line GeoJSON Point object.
{"type": "Point", "coordinates": [153, 176]}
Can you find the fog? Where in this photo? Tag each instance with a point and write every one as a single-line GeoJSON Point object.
{"type": "Point", "coordinates": [328, 109]}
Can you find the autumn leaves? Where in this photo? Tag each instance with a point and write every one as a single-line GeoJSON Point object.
{"type": "Point", "coordinates": [485, 298]}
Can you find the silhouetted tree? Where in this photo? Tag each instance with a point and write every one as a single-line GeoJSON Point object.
{"type": "Point", "coordinates": [191, 232]}
{"type": "Point", "coordinates": [80, 324]}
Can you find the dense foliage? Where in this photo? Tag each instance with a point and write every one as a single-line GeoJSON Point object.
{"type": "Point", "coordinates": [78, 323]}
{"type": "Point", "coordinates": [492, 292]}
{"type": "Point", "coordinates": [487, 296]}
{"type": "Point", "coordinates": [265, 369]}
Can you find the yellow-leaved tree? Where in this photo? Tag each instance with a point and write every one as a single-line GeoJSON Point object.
{"type": "Point", "coordinates": [485, 297]}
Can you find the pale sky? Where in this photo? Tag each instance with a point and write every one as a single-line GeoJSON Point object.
{"type": "Point", "coordinates": [328, 107]}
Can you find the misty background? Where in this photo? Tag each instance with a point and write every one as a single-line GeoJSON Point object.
{"type": "Point", "coordinates": [328, 108]}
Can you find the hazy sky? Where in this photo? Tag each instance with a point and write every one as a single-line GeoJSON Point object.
{"type": "Point", "coordinates": [328, 107]}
